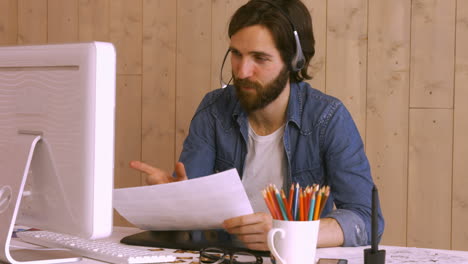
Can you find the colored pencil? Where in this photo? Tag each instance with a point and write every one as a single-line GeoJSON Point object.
{"type": "Point", "coordinates": [326, 193]}
{"type": "Point", "coordinates": [296, 201]}
{"type": "Point", "coordinates": [288, 211]}
{"type": "Point", "coordinates": [269, 205]}
{"type": "Point", "coordinates": [312, 206]}
{"type": "Point", "coordinates": [307, 202]}
{"type": "Point", "coordinates": [304, 207]}
{"type": "Point", "coordinates": [301, 206]}
{"type": "Point", "coordinates": [291, 195]}
{"type": "Point", "coordinates": [318, 199]}
{"type": "Point", "coordinates": [275, 205]}
{"type": "Point", "coordinates": [281, 205]}
{"type": "Point", "coordinates": [277, 201]}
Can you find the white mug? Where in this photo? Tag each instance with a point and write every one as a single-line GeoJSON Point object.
{"type": "Point", "coordinates": [296, 242]}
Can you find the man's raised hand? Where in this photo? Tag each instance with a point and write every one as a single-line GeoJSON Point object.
{"type": "Point", "coordinates": [158, 176]}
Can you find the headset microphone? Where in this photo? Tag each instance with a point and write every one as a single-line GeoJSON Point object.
{"type": "Point", "coordinates": [223, 84]}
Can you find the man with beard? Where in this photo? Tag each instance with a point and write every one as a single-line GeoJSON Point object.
{"type": "Point", "coordinates": [274, 128]}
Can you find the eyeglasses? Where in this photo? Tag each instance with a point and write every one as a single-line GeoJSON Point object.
{"type": "Point", "coordinates": [218, 256]}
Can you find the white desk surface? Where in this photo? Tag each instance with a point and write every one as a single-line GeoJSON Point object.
{"type": "Point", "coordinates": [354, 255]}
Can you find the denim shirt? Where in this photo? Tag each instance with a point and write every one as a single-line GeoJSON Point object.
{"type": "Point", "coordinates": [322, 146]}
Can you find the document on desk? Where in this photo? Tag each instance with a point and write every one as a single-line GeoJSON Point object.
{"type": "Point", "coordinates": [200, 203]}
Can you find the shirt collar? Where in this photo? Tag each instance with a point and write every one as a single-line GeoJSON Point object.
{"type": "Point", "coordinates": [296, 97]}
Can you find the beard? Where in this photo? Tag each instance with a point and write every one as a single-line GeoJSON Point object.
{"type": "Point", "coordinates": [263, 95]}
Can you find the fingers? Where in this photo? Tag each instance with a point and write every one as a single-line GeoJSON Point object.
{"type": "Point", "coordinates": [158, 176]}
{"type": "Point", "coordinates": [154, 175]}
{"type": "Point", "coordinates": [248, 222]}
{"type": "Point", "coordinates": [255, 242]}
{"type": "Point", "coordinates": [251, 229]}
{"type": "Point", "coordinates": [255, 228]}
{"type": "Point", "coordinates": [155, 179]}
{"type": "Point", "coordinates": [143, 167]}
{"type": "Point", "coordinates": [181, 174]}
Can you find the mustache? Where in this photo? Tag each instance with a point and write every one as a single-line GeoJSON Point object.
{"type": "Point", "coordinates": [246, 83]}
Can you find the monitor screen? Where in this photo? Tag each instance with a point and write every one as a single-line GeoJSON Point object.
{"type": "Point", "coordinates": [58, 100]}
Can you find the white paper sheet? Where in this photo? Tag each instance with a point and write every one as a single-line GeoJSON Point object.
{"type": "Point", "coordinates": [200, 203]}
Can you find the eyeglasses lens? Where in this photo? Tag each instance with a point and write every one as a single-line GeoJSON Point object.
{"type": "Point", "coordinates": [212, 256]}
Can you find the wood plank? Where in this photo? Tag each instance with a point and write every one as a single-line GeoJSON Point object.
{"type": "Point", "coordinates": [193, 61]}
{"type": "Point", "coordinates": [222, 12]}
{"type": "Point", "coordinates": [8, 22]}
{"type": "Point", "coordinates": [159, 80]}
{"type": "Point", "coordinates": [346, 69]}
{"type": "Point", "coordinates": [62, 25]}
{"type": "Point", "coordinates": [432, 53]}
{"type": "Point", "coordinates": [127, 130]}
{"type": "Point", "coordinates": [430, 178]}
{"type": "Point", "coordinates": [32, 21]}
{"type": "Point", "coordinates": [460, 166]}
{"type": "Point", "coordinates": [127, 135]}
{"type": "Point", "coordinates": [93, 20]}
{"type": "Point", "coordinates": [317, 66]}
{"type": "Point", "coordinates": [387, 110]}
{"type": "Point", "coordinates": [126, 33]}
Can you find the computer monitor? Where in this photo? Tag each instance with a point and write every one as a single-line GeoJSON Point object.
{"type": "Point", "coordinates": [57, 107]}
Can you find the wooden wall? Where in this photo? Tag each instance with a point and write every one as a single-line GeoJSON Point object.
{"type": "Point", "coordinates": [400, 66]}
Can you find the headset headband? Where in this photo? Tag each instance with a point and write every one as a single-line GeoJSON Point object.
{"type": "Point", "coordinates": [298, 61]}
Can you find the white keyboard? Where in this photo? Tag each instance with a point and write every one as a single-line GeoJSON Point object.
{"type": "Point", "coordinates": [102, 250]}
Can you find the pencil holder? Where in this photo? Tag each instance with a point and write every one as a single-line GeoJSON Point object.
{"type": "Point", "coordinates": [293, 242]}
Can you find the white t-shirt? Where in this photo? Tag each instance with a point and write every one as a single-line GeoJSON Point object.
{"type": "Point", "coordinates": [265, 164]}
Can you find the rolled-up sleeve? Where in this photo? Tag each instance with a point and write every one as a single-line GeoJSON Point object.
{"type": "Point", "coordinates": [349, 176]}
{"type": "Point", "coordinates": [354, 229]}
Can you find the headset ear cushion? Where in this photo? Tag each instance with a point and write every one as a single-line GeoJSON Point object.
{"type": "Point", "coordinates": [298, 63]}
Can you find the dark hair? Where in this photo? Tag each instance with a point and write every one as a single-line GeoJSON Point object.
{"type": "Point", "coordinates": [257, 12]}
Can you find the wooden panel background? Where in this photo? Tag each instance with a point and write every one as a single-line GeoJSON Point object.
{"type": "Point", "coordinates": [346, 55]}
{"type": "Point", "coordinates": [429, 178]}
{"type": "Point", "coordinates": [460, 152]}
{"type": "Point", "coordinates": [400, 66]}
{"type": "Point", "coordinates": [62, 21]}
{"type": "Point", "coordinates": [32, 21]}
{"type": "Point", "coordinates": [387, 109]}
{"type": "Point", "coordinates": [8, 22]}
{"type": "Point", "coordinates": [432, 53]}
{"type": "Point", "coordinates": [317, 66]}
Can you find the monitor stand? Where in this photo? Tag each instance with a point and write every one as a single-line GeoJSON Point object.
{"type": "Point", "coordinates": [11, 191]}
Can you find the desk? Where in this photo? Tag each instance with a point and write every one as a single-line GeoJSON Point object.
{"type": "Point", "coordinates": [354, 255]}
{"type": "Point", "coordinates": [398, 255]}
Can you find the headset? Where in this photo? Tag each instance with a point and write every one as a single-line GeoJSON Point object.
{"type": "Point", "coordinates": [298, 60]}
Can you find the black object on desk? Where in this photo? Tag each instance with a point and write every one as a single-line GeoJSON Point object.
{"type": "Point", "coordinates": [373, 255]}
{"type": "Point", "coordinates": [189, 240]}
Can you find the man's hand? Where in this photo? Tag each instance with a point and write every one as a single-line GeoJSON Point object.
{"type": "Point", "coordinates": [158, 176]}
{"type": "Point", "coordinates": [251, 229]}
